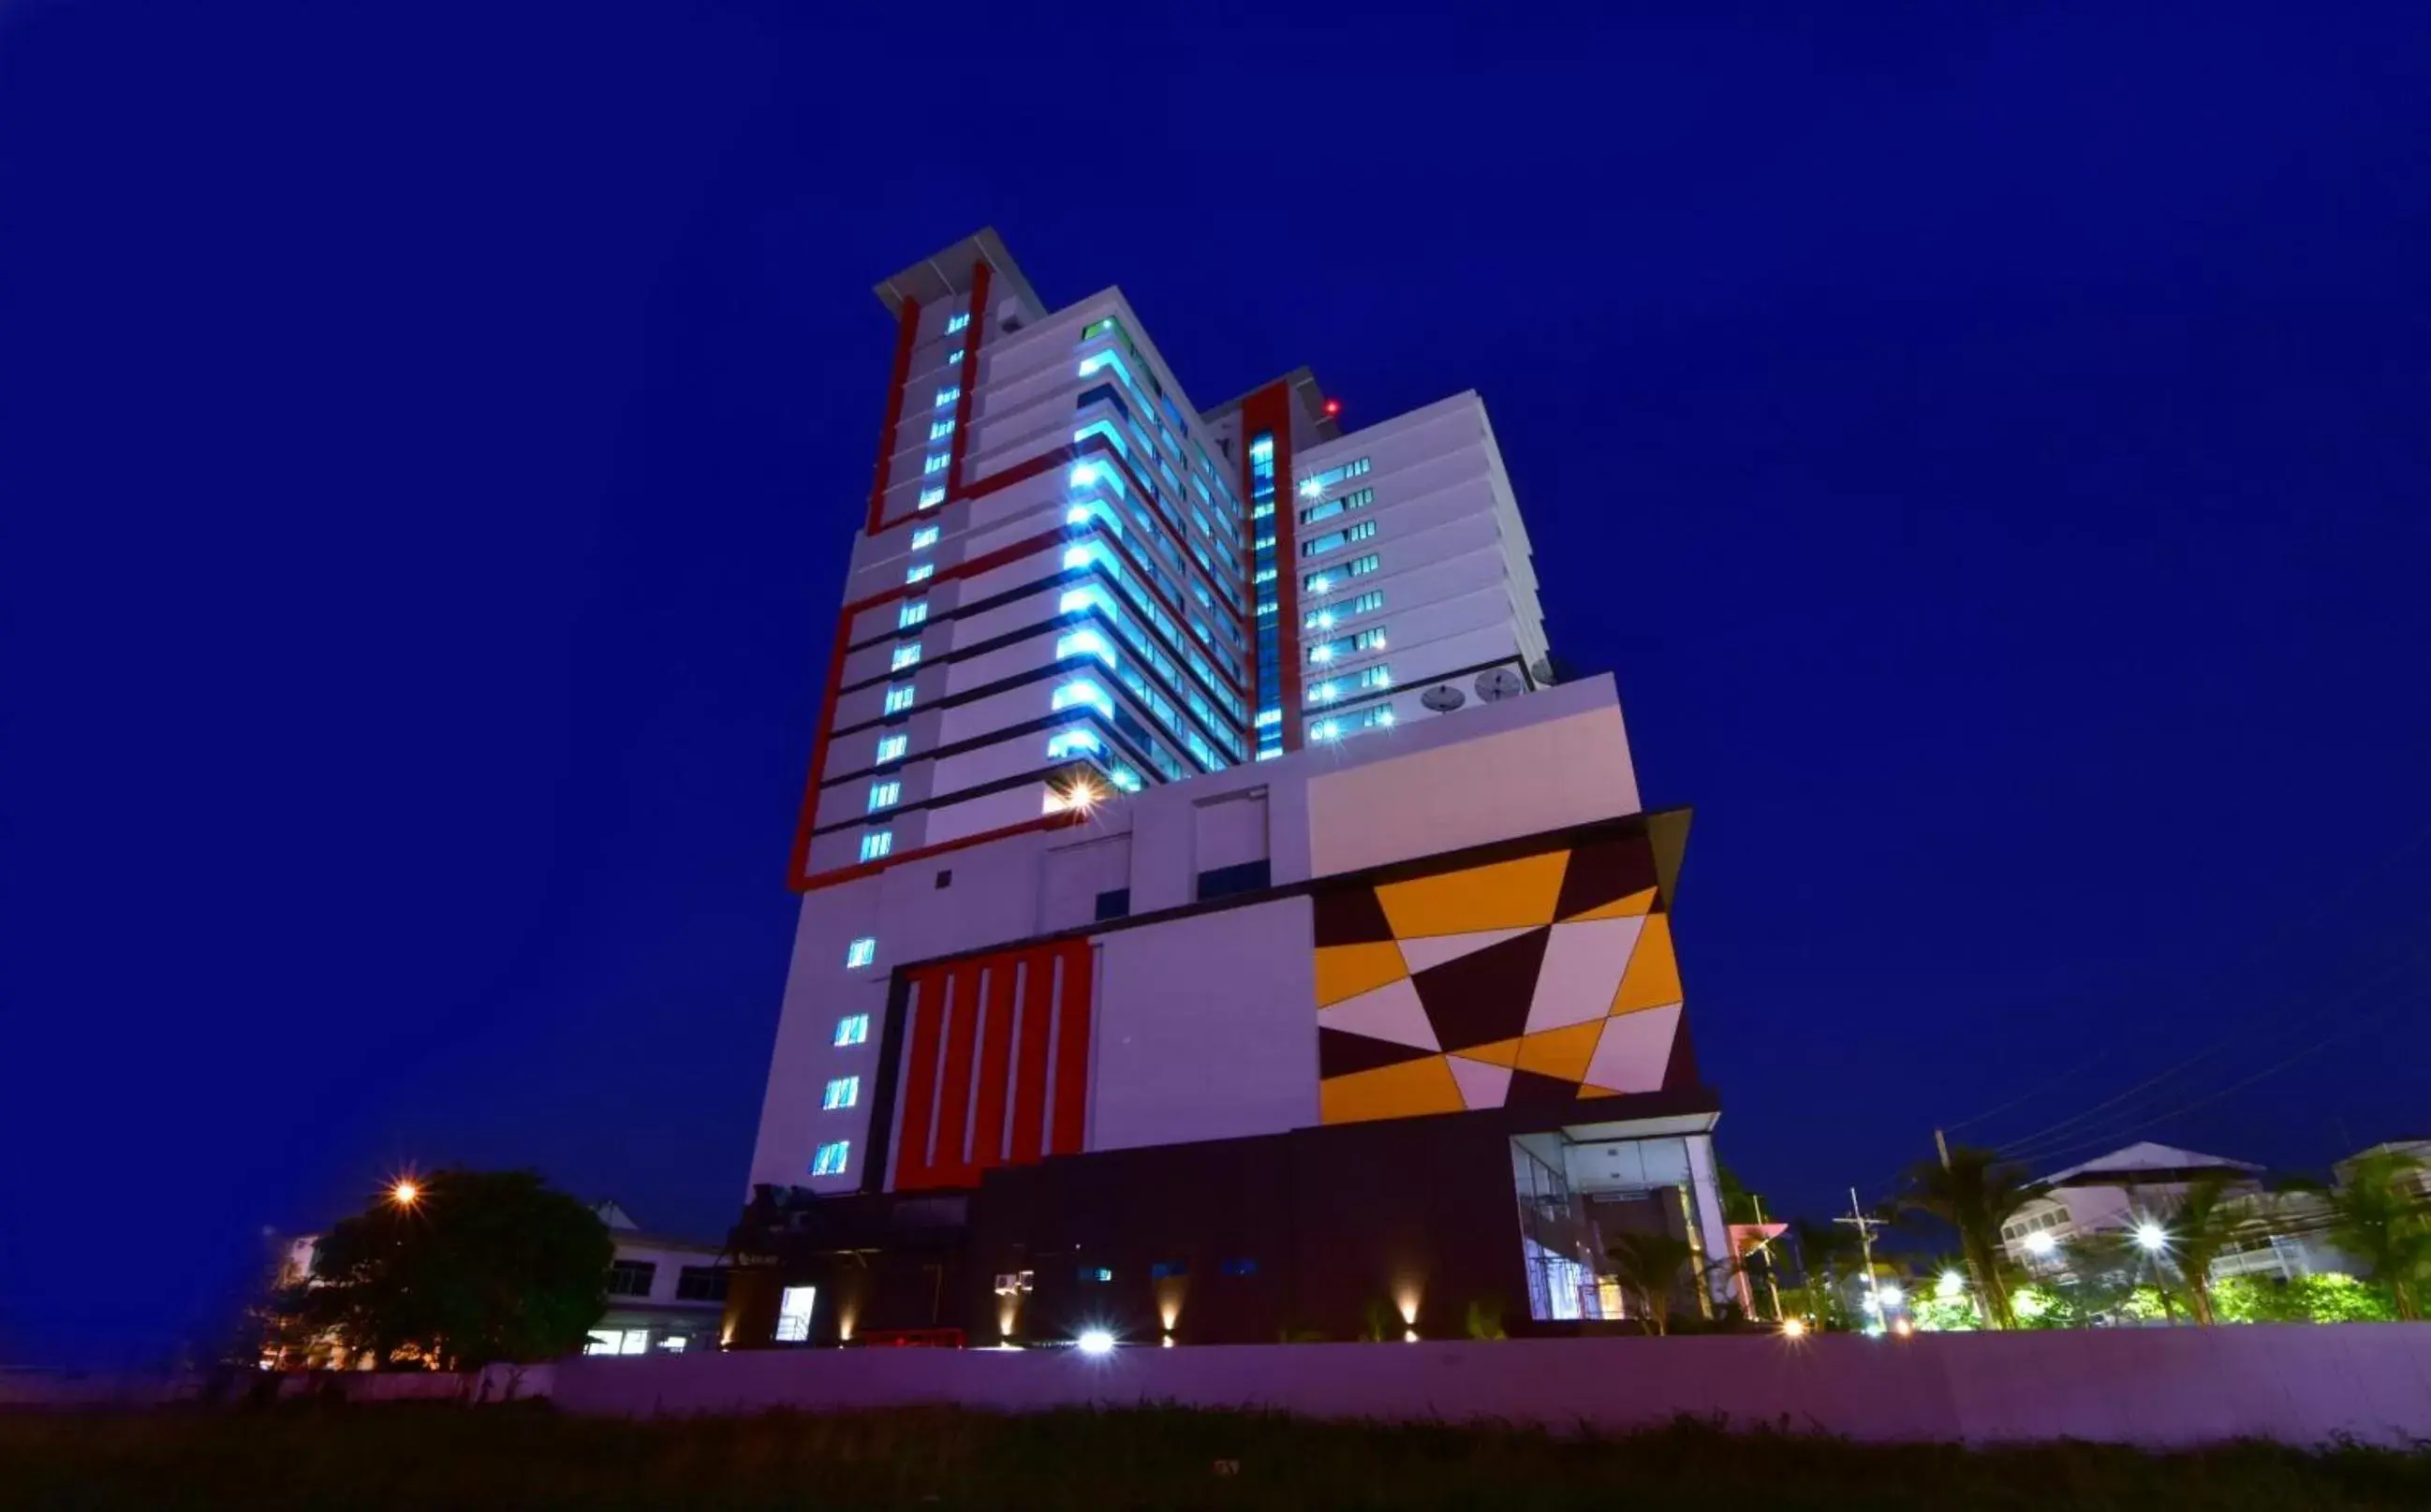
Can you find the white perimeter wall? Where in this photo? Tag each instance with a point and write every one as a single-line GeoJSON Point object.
{"type": "Point", "coordinates": [2161, 1387]}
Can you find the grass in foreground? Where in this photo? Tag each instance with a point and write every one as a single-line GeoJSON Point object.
{"type": "Point", "coordinates": [424, 1456]}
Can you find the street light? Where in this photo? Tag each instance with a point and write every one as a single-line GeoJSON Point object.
{"type": "Point", "coordinates": [406, 1192]}
{"type": "Point", "coordinates": [2153, 1236]}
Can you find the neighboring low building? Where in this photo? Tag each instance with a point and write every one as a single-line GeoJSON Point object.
{"type": "Point", "coordinates": [664, 1293]}
{"type": "Point", "coordinates": [2110, 1194]}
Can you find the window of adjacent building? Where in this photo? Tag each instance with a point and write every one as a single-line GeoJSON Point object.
{"type": "Point", "coordinates": [1098, 1274]}
{"type": "Point", "coordinates": [924, 537]}
{"type": "Point", "coordinates": [937, 462]}
{"type": "Point", "coordinates": [832, 1159]}
{"type": "Point", "coordinates": [891, 747]}
{"type": "Point", "coordinates": [1169, 1269]}
{"type": "Point", "coordinates": [911, 614]}
{"type": "Point", "coordinates": [853, 1028]}
{"type": "Point", "coordinates": [701, 1282]}
{"type": "Point", "coordinates": [1224, 881]}
{"type": "Point", "coordinates": [958, 322]}
{"type": "Point", "coordinates": [954, 358]}
{"type": "Point", "coordinates": [1114, 903]}
{"type": "Point", "coordinates": [1240, 1268]}
{"type": "Point", "coordinates": [919, 572]}
{"type": "Point", "coordinates": [885, 795]}
{"type": "Point", "coordinates": [878, 842]}
{"type": "Point", "coordinates": [793, 1307]}
{"type": "Point", "coordinates": [904, 656]}
{"type": "Point", "coordinates": [1363, 566]}
{"type": "Point", "coordinates": [947, 396]}
{"type": "Point", "coordinates": [631, 1278]}
{"type": "Point", "coordinates": [898, 698]}
{"type": "Point", "coordinates": [930, 498]}
{"type": "Point", "coordinates": [842, 1092]}
{"type": "Point", "coordinates": [1366, 603]}
{"type": "Point", "coordinates": [859, 953]}
{"type": "Point", "coordinates": [940, 429]}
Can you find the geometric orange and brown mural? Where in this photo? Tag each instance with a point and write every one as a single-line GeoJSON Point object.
{"type": "Point", "coordinates": [1532, 982]}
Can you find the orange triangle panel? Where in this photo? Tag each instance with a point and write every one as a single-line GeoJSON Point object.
{"type": "Point", "coordinates": [1629, 907]}
{"type": "Point", "coordinates": [1501, 1052]}
{"type": "Point", "coordinates": [1561, 1053]}
{"type": "Point", "coordinates": [1654, 976]}
{"type": "Point", "coordinates": [1590, 1090]}
{"type": "Point", "coordinates": [1410, 1089]}
{"type": "Point", "coordinates": [1504, 895]}
{"type": "Point", "coordinates": [1347, 971]}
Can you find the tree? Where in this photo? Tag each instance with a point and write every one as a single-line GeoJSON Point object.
{"type": "Point", "coordinates": [477, 1266]}
{"type": "Point", "coordinates": [1648, 1267]}
{"type": "Point", "coordinates": [2378, 1216]}
{"type": "Point", "coordinates": [2206, 1222]}
{"type": "Point", "coordinates": [1975, 1192]}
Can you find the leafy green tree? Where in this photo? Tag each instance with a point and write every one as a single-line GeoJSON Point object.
{"type": "Point", "coordinates": [478, 1266]}
{"type": "Point", "coordinates": [2378, 1216]}
{"type": "Point", "coordinates": [1648, 1267]}
{"type": "Point", "coordinates": [2205, 1222]}
{"type": "Point", "coordinates": [1975, 1193]}
{"type": "Point", "coordinates": [2332, 1298]}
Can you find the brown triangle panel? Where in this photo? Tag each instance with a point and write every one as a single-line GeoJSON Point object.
{"type": "Point", "coordinates": [1529, 1089]}
{"type": "Point", "coordinates": [1349, 916]}
{"type": "Point", "coordinates": [1340, 1054]}
{"type": "Point", "coordinates": [1604, 872]}
{"type": "Point", "coordinates": [1481, 997]}
{"type": "Point", "coordinates": [1680, 1070]}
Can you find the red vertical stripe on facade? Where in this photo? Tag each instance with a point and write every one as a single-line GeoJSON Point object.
{"type": "Point", "coordinates": [1269, 409]}
{"type": "Point", "coordinates": [949, 1169]}
{"type": "Point", "coordinates": [970, 379]}
{"type": "Point", "coordinates": [919, 1080]}
{"type": "Point", "coordinates": [796, 878]}
{"type": "Point", "coordinates": [996, 1065]}
{"type": "Point", "coordinates": [906, 330]}
{"type": "Point", "coordinates": [1071, 1051]}
{"type": "Point", "coordinates": [1030, 1057]}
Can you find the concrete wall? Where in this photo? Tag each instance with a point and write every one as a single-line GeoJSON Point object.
{"type": "Point", "coordinates": [1206, 1028]}
{"type": "Point", "coordinates": [2157, 1387]}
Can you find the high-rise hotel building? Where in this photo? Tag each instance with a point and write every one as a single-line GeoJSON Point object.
{"type": "Point", "coordinates": [1162, 866]}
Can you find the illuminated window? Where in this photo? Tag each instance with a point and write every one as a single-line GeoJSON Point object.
{"type": "Point", "coordinates": [1366, 603]}
{"type": "Point", "coordinates": [1379, 675]}
{"type": "Point", "coordinates": [958, 322]}
{"type": "Point", "coordinates": [898, 699]}
{"type": "Point", "coordinates": [912, 612]}
{"type": "Point", "coordinates": [829, 1161]}
{"type": "Point", "coordinates": [794, 1303]}
{"type": "Point", "coordinates": [954, 358]}
{"type": "Point", "coordinates": [843, 1091]}
{"type": "Point", "coordinates": [905, 656]}
{"type": "Point", "coordinates": [891, 747]}
{"type": "Point", "coordinates": [853, 1028]}
{"type": "Point", "coordinates": [877, 843]}
{"type": "Point", "coordinates": [937, 462]}
{"type": "Point", "coordinates": [885, 795]}
{"type": "Point", "coordinates": [925, 537]}
{"type": "Point", "coordinates": [1363, 566]}
{"type": "Point", "coordinates": [857, 955]}
{"type": "Point", "coordinates": [939, 430]}
{"type": "Point", "coordinates": [930, 498]}
{"type": "Point", "coordinates": [920, 574]}
{"type": "Point", "coordinates": [947, 396]}
{"type": "Point", "coordinates": [1083, 690]}
{"type": "Point", "coordinates": [1084, 644]}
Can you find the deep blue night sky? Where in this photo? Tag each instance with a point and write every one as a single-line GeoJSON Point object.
{"type": "Point", "coordinates": [1994, 454]}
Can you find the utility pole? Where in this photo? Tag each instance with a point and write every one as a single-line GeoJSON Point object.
{"type": "Point", "coordinates": [1865, 1225]}
{"type": "Point", "coordinates": [1974, 1269]}
{"type": "Point", "coordinates": [1764, 1247]}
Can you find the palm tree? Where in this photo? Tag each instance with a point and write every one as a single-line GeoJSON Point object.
{"type": "Point", "coordinates": [1973, 1191]}
{"type": "Point", "coordinates": [2205, 1222]}
{"type": "Point", "coordinates": [2378, 1216]}
{"type": "Point", "coordinates": [1648, 1267]}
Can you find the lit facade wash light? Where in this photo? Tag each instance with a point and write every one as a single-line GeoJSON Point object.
{"type": "Point", "coordinates": [1084, 475]}
{"type": "Point", "coordinates": [1384, 718]}
{"type": "Point", "coordinates": [1320, 584]}
{"type": "Point", "coordinates": [1311, 490]}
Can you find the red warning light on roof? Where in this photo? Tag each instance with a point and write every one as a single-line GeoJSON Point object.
{"type": "Point", "coordinates": [1332, 408]}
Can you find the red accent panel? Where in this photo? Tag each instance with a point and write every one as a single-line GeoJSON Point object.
{"type": "Point", "coordinates": [968, 403]}
{"type": "Point", "coordinates": [995, 1064]}
{"type": "Point", "coordinates": [919, 1078]}
{"type": "Point", "coordinates": [1071, 1049]}
{"type": "Point", "coordinates": [949, 1168]}
{"type": "Point", "coordinates": [1269, 409]}
{"type": "Point", "coordinates": [906, 333]}
{"type": "Point", "coordinates": [1030, 1083]}
{"type": "Point", "coordinates": [801, 853]}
